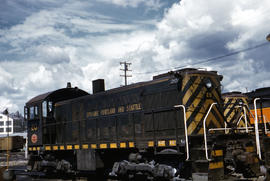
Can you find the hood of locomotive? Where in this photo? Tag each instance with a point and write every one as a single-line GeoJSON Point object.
{"type": "Point", "coordinates": [200, 89]}
{"type": "Point", "coordinates": [236, 109]}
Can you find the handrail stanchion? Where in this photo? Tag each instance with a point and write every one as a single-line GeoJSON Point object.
{"type": "Point", "coordinates": [204, 131]}
{"type": "Point", "coordinates": [245, 116]}
{"type": "Point", "coordinates": [226, 131]}
{"type": "Point", "coordinates": [186, 132]}
{"type": "Point", "coordinates": [26, 148]}
{"type": "Point", "coordinates": [245, 113]}
{"type": "Point", "coordinates": [257, 130]}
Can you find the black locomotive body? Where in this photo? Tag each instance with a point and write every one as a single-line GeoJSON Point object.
{"type": "Point", "coordinates": [139, 114]}
{"type": "Point", "coordinates": [171, 127]}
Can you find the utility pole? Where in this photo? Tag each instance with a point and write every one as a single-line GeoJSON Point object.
{"type": "Point", "coordinates": [125, 69]}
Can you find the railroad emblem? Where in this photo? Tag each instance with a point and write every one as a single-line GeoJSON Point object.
{"type": "Point", "coordinates": [34, 138]}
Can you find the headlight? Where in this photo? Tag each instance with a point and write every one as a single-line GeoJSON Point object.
{"type": "Point", "coordinates": [241, 102]}
{"type": "Point", "coordinates": [208, 83]}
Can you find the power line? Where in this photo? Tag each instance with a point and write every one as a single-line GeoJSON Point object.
{"type": "Point", "coordinates": [228, 55]}
{"type": "Point", "coordinates": [211, 59]}
{"type": "Point", "coordinates": [126, 66]}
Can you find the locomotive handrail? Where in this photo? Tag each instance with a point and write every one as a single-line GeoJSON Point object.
{"type": "Point", "coordinates": [239, 120]}
{"type": "Point", "coordinates": [245, 119]}
{"type": "Point", "coordinates": [257, 139]}
{"type": "Point", "coordinates": [245, 113]}
{"type": "Point", "coordinates": [265, 128]}
{"type": "Point", "coordinates": [221, 129]}
{"type": "Point", "coordinates": [225, 130]}
{"type": "Point", "coordinates": [257, 130]}
{"type": "Point", "coordinates": [204, 132]}
{"type": "Point", "coordinates": [250, 111]}
{"type": "Point", "coordinates": [186, 132]}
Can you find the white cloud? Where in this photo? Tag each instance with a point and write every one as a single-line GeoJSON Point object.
{"type": "Point", "coordinates": [53, 54]}
{"type": "Point", "coordinates": [39, 78]}
{"type": "Point", "coordinates": [6, 103]}
{"type": "Point", "coordinates": [69, 43]}
{"type": "Point", "coordinates": [195, 28]}
{"type": "Point", "coordinates": [153, 4]}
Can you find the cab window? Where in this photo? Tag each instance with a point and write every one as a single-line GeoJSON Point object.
{"type": "Point", "coordinates": [26, 113]}
{"type": "Point", "coordinates": [36, 111]}
{"type": "Point", "coordinates": [44, 109]}
{"type": "Point", "coordinates": [50, 106]}
{"type": "Point", "coordinates": [32, 113]}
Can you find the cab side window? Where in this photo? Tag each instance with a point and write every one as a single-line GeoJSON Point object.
{"type": "Point", "coordinates": [50, 106]}
{"type": "Point", "coordinates": [32, 115]}
{"type": "Point", "coordinates": [44, 109]}
{"type": "Point", "coordinates": [25, 113]}
{"type": "Point", "coordinates": [36, 111]}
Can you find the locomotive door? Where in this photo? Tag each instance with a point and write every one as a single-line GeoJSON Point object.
{"type": "Point", "coordinates": [164, 124]}
{"type": "Point", "coordinates": [48, 123]}
{"type": "Point", "coordinates": [31, 114]}
{"type": "Point", "coordinates": [77, 110]}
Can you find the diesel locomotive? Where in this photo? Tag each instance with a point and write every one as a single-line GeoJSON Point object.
{"type": "Point", "coordinates": [259, 103]}
{"type": "Point", "coordinates": [236, 110]}
{"type": "Point", "coordinates": [171, 128]}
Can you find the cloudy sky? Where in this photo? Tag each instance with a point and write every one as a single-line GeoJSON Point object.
{"type": "Point", "coordinates": [46, 43]}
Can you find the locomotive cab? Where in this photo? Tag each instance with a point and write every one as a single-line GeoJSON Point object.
{"type": "Point", "coordinates": [39, 114]}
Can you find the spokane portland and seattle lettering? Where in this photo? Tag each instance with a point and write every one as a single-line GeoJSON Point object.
{"type": "Point", "coordinates": [109, 111]}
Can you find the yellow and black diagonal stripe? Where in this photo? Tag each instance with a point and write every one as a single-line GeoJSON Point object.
{"type": "Point", "coordinates": [197, 98]}
{"type": "Point", "coordinates": [234, 109]}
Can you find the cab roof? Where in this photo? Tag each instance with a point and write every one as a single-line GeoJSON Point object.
{"type": "Point", "coordinates": [58, 95]}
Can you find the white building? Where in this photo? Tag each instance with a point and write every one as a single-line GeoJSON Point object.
{"type": "Point", "coordinates": [6, 124]}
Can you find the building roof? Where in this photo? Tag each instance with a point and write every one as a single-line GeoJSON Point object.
{"type": "Point", "coordinates": [10, 118]}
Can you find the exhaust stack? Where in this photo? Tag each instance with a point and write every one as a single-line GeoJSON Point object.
{"type": "Point", "coordinates": [68, 85]}
{"type": "Point", "coordinates": [98, 86]}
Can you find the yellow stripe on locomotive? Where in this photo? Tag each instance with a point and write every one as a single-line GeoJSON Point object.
{"type": "Point", "coordinates": [236, 110]}
{"type": "Point", "coordinates": [200, 90]}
